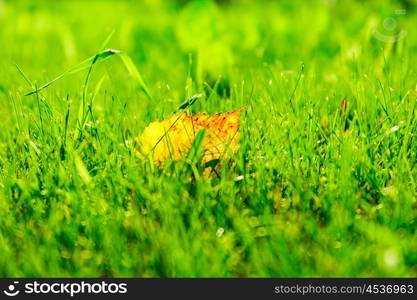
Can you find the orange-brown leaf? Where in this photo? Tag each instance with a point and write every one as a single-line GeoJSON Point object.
{"type": "Point", "coordinates": [172, 138]}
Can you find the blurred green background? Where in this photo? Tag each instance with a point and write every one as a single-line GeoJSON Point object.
{"type": "Point", "coordinates": [324, 183]}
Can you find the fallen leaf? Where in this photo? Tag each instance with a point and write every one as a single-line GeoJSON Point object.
{"type": "Point", "coordinates": [172, 138]}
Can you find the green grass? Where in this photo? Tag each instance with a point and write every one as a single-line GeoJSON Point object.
{"type": "Point", "coordinates": [324, 183]}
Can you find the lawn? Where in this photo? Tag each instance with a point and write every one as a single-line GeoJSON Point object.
{"type": "Point", "coordinates": [323, 183]}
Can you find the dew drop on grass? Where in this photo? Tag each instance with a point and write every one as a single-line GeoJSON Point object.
{"type": "Point", "coordinates": [239, 178]}
{"type": "Point", "coordinates": [220, 232]}
{"type": "Point", "coordinates": [391, 258]}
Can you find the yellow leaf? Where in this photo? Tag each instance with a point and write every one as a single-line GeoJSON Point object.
{"type": "Point", "coordinates": [172, 138]}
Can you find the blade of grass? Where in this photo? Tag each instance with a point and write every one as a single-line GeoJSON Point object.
{"type": "Point", "coordinates": [82, 113]}
{"type": "Point", "coordinates": [81, 66]}
{"type": "Point", "coordinates": [190, 101]}
{"type": "Point", "coordinates": [133, 71]}
{"type": "Point", "coordinates": [300, 74]}
{"type": "Point", "coordinates": [64, 141]}
{"type": "Point", "coordinates": [107, 40]}
{"type": "Point", "coordinates": [195, 152]}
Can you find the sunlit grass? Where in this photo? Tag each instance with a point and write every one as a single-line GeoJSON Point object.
{"type": "Point", "coordinates": [324, 183]}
